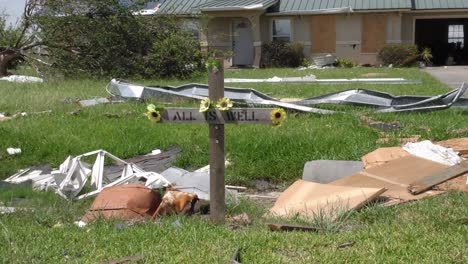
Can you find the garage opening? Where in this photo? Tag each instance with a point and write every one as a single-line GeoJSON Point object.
{"type": "Point", "coordinates": [445, 37]}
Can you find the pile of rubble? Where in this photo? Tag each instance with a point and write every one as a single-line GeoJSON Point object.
{"type": "Point", "coordinates": [390, 175]}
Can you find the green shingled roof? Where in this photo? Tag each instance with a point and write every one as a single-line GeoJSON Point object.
{"type": "Point", "coordinates": [236, 5]}
{"type": "Point", "coordinates": [193, 7]}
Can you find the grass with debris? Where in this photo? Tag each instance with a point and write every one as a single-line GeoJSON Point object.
{"type": "Point", "coordinates": [431, 230]}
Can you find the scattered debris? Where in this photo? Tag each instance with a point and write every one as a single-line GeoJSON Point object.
{"type": "Point", "coordinates": [7, 210]}
{"type": "Point", "coordinates": [175, 202]}
{"type": "Point", "coordinates": [315, 67]}
{"type": "Point", "coordinates": [286, 227]}
{"type": "Point", "coordinates": [313, 79]}
{"type": "Point", "coordinates": [96, 101]}
{"type": "Point", "coordinates": [345, 245]}
{"type": "Point", "coordinates": [21, 79]}
{"type": "Point", "coordinates": [422, 185]}
{"type": "Point", "coordinates": [326, 171]}
{"type": "Point", "coordinates": [395, 176]}
{"type": "Point", "coordinates": [69, 180]}
{"type": "Point", "coordinates": [324, 60]}
{"type": "Point", "coordinates": [459, 145]}
{"type": "Point", "coordinates": [197, 92]}
{"type": "Point", "coordinates": [13, 151]}
{"type": "Point", "coordinates": [389, 103]}
{"type": "Point", "coordinates": [381, 156]}
{"type": "Point", "coordinates": [125, 202]}
{"type": "Point", "coordinates": [425, 149]}
{"type": "Point", "coordinates": [275, 79]}
{"type": "Point", "coordinates": [310, 199]}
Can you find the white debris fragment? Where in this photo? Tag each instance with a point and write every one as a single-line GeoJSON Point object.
{"type": "Point", "coordinates": [13, 151]}
{"type": "Point", "coordinates": [427, 150]}
{"type": "Point", "coordinates": [80, 223]}
{"type": "Point", "coordinates": [69, 180]}
{"type": "Point", "coordinates": [154, 152]}
{"type": "Point", "coordinates": [21, 79]}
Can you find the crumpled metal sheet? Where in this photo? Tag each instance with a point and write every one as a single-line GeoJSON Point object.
{"type": "Point", "coordinates": [197, 92]}
{"type": "Point", "coordinates": [384, 102]}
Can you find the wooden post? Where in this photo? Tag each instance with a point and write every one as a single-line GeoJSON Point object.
{"type": "Point", "coordinates": [216, 135]}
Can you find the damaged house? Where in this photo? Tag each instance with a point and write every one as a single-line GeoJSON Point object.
{"type": "Point", "coordinates": [353, 29]}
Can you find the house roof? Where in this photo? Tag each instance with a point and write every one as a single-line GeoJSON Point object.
{"type": "Point", "coordinates": [226, 5]}
{"type": "Point", "coordinates": [297, 6]}
{"type": "Point", "coordinates": [440, 4]}
{"type": "Point", "coordinates": [181, 7]}
{"type": "Point", "coordinates": [193, 7]}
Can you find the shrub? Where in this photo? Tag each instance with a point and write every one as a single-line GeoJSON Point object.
{"type": "Point", "coordinates": [282, 54]}
{"type": "Point", "coordinates": [345, 63]}
{"type": "Point", "coordinates": [400, 55]}
{"type": "Point", "coordinates": [174, 56]}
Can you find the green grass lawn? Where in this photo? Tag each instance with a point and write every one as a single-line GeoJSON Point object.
{"type": "Point", "coordinates": [431, 230]}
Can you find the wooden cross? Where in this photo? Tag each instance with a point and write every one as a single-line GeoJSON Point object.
{"type": "Point", "coordinates": [216, 120]}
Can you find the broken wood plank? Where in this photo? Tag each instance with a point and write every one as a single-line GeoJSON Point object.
{"type": "Point", "coordinates": [425, 184]}
{"type": "Point", "coordinates": [237, 188]}
{"type": "Point", "coordinates": [286, 227]}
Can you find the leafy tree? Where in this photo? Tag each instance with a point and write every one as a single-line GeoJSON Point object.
{"type": "Point", "coordinates": [104, 38]}
{"type": "Point", "coordinates": [15, 43]}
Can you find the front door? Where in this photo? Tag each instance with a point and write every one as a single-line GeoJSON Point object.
{"type": "Point", "coordinates": [242, 43]}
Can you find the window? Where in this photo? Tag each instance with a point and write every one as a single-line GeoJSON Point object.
{"type": "Point", "coordinates": [456, 35]}
{"type": "Point", "coordinates": [281, 30]}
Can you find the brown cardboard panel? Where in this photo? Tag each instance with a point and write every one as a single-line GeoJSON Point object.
{"type": "Point", "coordinates": [460, 145]}
{"type": "Point", "coordinates": [396, 175]}
{"type": "Point", "coordinates": [323, 32]}
{"type": "Point", "coordinates": [374, 32]}
{"type": "Point", "coordinates": [311, 199]}
{"type": "Point", "coordinates": [125, 202]}
{"type": "Point", "coordinates": [381, 156]}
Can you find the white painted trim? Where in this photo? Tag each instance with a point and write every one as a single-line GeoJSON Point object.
{"type": "Point", "coordinates": [413, 40]}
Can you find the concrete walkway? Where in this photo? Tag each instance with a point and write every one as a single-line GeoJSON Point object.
{"type": "Point", "coordinates": [453, 76]}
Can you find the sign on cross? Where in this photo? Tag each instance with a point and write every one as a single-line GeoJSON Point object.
{"type": "Point", "coordinates": [216, 119]}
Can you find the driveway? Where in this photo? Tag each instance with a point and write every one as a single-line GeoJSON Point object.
{"type": "Point", "coordinates": [453, 76]}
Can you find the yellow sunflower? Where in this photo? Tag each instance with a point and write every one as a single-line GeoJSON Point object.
{"type": "Point", "coordinates": [224, 104]}
{"type": "Point", "coordinates": [205, 104]}
{"type": "Point", "coordinates": [154, 115]}
{"type": "Point", "coordinates": [277, 116]}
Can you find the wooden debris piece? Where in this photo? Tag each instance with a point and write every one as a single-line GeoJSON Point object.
{"type": "Point", "coordinates": [286, 227]}
{"type": "Point", "coordinates": [424, 184]}
{"type": "Point", "coordinates": [381, 156]}
{"type": "Point", "coordinates": [460, 145]}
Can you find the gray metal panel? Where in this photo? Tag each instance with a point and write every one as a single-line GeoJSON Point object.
{"type": "Point", "coordinates": [220, 4]}
{"type": "Point", "coordinates": [312, 5]}
{"type": "Point", "coordinates": [181, 7]}
{"type": "Point", "coordinates": [440, 4]}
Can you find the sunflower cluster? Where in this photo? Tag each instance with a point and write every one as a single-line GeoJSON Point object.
{"type": "Point", "coordinates": [277, 116]}
{"type": "Point", "coordinates": [223, 104]}
{"type": "Point", "coordinates": [152, 113]}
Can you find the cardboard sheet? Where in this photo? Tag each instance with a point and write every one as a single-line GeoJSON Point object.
{"type": "Point", "coordinates": [381, 156]}
{"type": "Point", "coordinates": [310, 199]}
{"type": "Point", "coordinates": [395, 175]}
{"type": "Point", "coordinates": [460, 145]}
